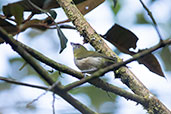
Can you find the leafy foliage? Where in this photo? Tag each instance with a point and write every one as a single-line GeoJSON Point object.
{"type": "Point", "coordinates": [122, 38]}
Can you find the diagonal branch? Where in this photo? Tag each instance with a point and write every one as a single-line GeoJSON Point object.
{"type": "Point", "coordinates": [12, 81]}
{"type": "Point", "coordinates": [127, 77]}
{"type": "Point", "coordinates": [43, 73]}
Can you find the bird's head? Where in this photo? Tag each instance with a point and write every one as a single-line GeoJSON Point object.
{"type": "Point", "coordinates": [78, 49]}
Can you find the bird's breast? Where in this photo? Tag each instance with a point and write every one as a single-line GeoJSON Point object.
{"type": "Point", "coordinates": [88, 63]}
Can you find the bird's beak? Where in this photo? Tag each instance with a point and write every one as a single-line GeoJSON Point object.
{"type": "Point", "coordinates": [72, 43]}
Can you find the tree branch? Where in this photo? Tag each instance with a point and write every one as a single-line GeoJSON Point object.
{"type": "Point", "coordinates": [153, 20]}
{"type": "Point", "coordinates": [110, 88]}
{"type": "Point", "coordinates": [43, 73]}
{"type": "Point", "coordinates": [12, 81]}
{"type": "Point", "coordinates": [96, 41]}
{"type": "Point", "coordinates": [97, 82]}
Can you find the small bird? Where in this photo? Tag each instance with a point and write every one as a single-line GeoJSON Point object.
{"type": "Point", "coordinates": [90, 61]}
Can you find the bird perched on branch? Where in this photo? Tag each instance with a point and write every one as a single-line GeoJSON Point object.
{"type": "Point", "coordinates": [90, 61]}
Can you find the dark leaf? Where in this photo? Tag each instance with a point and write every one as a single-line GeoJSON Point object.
{"type": "Point", "coordinates": [28, 7]}
{"type": "Point", "coordinates": [6, 10]}
{"type": "Point", "coordinates": [63, 39]}
{"type": "Point", "coordinates": [53, 14]}
{"type": "Point", "coordinates": [67, 27]}
{"type": "Point", "coordinates": [122, 38]}
{"type": "Point", "coordinates": [88, 5]}
{"type": "Point", "coordinates": [166, 57]}
{"type": "Point", "coordinates": [151, 63]}
{"type": "Point", "coordinates": [49, 4]}
{"type": "Point", "coordinates": [17, 12]}
{"type": "Point", "coordinates": [43, 4]}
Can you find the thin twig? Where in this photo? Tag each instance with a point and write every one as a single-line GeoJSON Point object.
{"type": "Point", "coordinates": [29, 17]}
{"type": "Point", "coordinates": [12, 81]}
{"type": "Point", "coordinates": [36, 99]}
{"type": "Point", "coordinates": [53, 103]}
{"type": "Point", "coordinates": [153, 20]}
{"type": "Point", "coordinates": [51, 88]}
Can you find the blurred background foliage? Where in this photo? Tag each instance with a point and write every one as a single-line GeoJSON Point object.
{"type": "Point", "coordinates": [13, 99]}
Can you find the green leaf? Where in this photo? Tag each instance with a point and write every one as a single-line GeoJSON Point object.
{"type": "Point", "coordinates": [165, 54]}
{"type": "Point", "coordinates": [6, 10]}
{"type": "Point", "coordinates": [63, 39]}
{"type": "Point", "coordinates": [17, 12]}
{"type": "Point", "coordinates": [116, 8]}
{"type": "Point", "coordinates": [140, 19]}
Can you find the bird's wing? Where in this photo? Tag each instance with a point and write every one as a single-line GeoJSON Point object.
{"type": "Point", "coordinates": [95, 54]}
{"type": "Point", "coordinates": [102, 55]}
